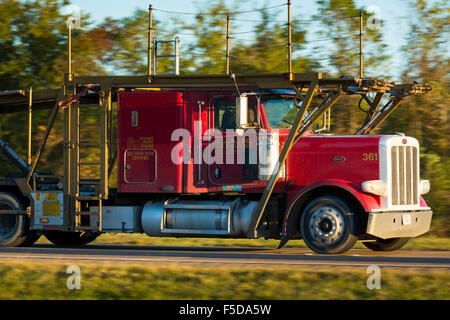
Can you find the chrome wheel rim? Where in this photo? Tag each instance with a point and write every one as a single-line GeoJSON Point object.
{"type": "Point", "coordinates": [327, 225]}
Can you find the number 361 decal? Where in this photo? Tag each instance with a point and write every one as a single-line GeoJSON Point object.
{"type": "Point", "coordinates": [370, 156]}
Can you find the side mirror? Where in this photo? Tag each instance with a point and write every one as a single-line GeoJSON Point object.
{"type": "Point", "coordinates": [242, 109]}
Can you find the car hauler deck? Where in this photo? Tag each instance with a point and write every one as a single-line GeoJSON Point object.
{"type": "Point", "coordinates": [182, 173]}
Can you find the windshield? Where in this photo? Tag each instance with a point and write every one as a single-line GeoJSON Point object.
{"type": "Point", "coordinates": [280, 111]}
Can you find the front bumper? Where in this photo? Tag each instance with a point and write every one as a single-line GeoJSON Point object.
{"type": "Point", "coordinates": [402, 224]}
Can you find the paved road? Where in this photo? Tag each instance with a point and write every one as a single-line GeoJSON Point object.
{"type": "Point", "coordinates": [261, 256]}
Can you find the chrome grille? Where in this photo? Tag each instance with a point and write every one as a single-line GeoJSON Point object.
{"type": "Point", "coordinates": [404, 189]}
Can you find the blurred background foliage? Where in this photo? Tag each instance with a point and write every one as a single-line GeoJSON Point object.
{"type": "Point", "coordinates": [33, 53]}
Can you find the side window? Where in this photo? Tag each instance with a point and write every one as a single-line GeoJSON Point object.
{"type": "Point", "coordinates": [252, 115]}
{"type": "Point", "coordinates": [225, 114]}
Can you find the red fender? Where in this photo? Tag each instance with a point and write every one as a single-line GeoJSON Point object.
{"type": "Point", "coordinates": [367, 201]}
{"type": "Point", "coordinates": [423, 203]}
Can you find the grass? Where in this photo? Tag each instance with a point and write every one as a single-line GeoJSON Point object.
{"type": "Point", "coordinates": [421, 243]}
{"type": "Point", "coordinates": [105, 281]}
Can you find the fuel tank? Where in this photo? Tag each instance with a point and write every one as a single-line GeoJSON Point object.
{"type": "Point", "coordinates": [198, 218]}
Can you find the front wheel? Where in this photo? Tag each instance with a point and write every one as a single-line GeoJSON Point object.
{"type": "Point", "coordinates": [386, 245]}
{"type": "Point", "coordinates": [329, 226]}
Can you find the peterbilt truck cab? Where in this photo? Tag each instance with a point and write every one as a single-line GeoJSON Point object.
{"type": "Point", "coordinates": [332, 190]}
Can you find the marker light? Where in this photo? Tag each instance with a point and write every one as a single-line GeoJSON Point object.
{"type": "Point", "coordinates": [44, 220]}
{"type": "Point", "coordinates": [424, 186]}
{"type": "Point", "coordinates": [377, 187]}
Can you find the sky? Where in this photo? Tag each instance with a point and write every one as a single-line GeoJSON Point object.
{"type": "Point", "coordinates": [393, 12]}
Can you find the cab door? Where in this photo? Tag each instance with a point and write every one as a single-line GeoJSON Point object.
{"type": "Point", "coordinates": [231, 158]}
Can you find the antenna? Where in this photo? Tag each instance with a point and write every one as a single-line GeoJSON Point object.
{"type": "Point", "coordinates": [69, 62]}
{"type": "Point", "coordinates": [361, 53]}
{"type": "Point", "coordinates": [228, 45]}
{"type": "Point", "coordinates": [73, 22]}
{"type": "Point", "coordinates": [289, 40]}
{"type": "Point", "coordinates": [150, 42]}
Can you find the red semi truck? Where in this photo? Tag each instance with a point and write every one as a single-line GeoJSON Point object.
{"type": "Point", "coordinates": [200, 157]}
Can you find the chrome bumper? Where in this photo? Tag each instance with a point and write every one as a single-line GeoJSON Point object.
{"type": "Point", "coordinates": [405, 224]}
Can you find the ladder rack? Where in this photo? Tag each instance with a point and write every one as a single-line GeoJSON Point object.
{"type": "Point", "coordinates": [157, 44]}
{"type": "Point", "coordinates": [74, 165]}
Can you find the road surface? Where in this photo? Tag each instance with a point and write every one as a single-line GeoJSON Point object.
{"type": "Point", "coordinates": [227, 255]}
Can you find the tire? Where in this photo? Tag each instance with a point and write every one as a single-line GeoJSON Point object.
{"type": "Point", "coordinates": [31, 239]}
{"type": "Point", "coordinates": [60, 238]}
{"type": "Point", "coordinates": [386, 245]}
{"type": "Point", "coordinates": [329, 226]}
{"type": "Point", "coordinates": [15, 229]}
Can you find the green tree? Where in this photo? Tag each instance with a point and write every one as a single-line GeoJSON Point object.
{"type": "Point", "coordinates": [426, 116]}
{"type": "Point", "coordinates": [129, 43]}
{"type": "Point", "coordinates": [258, 49]}
{"type": "Point", "coordinates": [340, 21]}
{"type": "Point", "coordinates": [341, 24]}
{"type": "Point", "coordinates": [267, 52]}
{"type": "Point", "coordinates": [31, 40]}
{"type": "Point", "coordinates": [33, 44]}
{"type": "Point", "coordinates": [33, 53]}
{"type": "Point", "coordinates": [205, 53]}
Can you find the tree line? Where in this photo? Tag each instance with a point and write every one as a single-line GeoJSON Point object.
{"type": "Point", "coordinates": [33, 53]}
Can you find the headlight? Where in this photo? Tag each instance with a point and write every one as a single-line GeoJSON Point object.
{"type": "Point", "coordinates": [424, 186]}
{"type": "Point", "coordinates": [377, 187]}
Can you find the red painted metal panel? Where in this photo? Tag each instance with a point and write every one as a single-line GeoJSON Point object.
{"type": "Point", "coordinates": [194, 172]}
{"type": "Point", "coordinates": [338, 161]}
{"type": "Point", "coordinates": [50, 227]}
{"type": "Point", "coordinates": [148, 119]}
{"type": "Point", "coordinates": [233, 177]}
{"type": "Point", "coordinates": [318, 158]}
{"type": "Point", "coordinates": [146, 123]}
{"type": "Point", "coordinates": [140, 166]}
{"type": "Point", "coordinates": [423, 203]}
{"type": "Point", "coordinates": [367, 201]}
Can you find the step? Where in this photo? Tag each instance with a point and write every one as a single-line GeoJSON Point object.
{"type": "Point", "coordinates": [86, 198]}
{"type": "Point", "coordinates": [85, 228]}
{"type": "Point", "coordinates": [90, 182]}
{"type": "Point", "coordinates": [87, 213]}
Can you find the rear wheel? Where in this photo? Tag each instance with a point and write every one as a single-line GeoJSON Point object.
{"type": "Point", "coordinates": [386, 245]}
{"type": "Point", "coordinates": [329, 226]}
{"type": "Point", "coordinates": [31, 239]}
{"type": "Point", "coordinates": [70, 238]}
{"type": "Point", "coordinates": [14, 229]}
